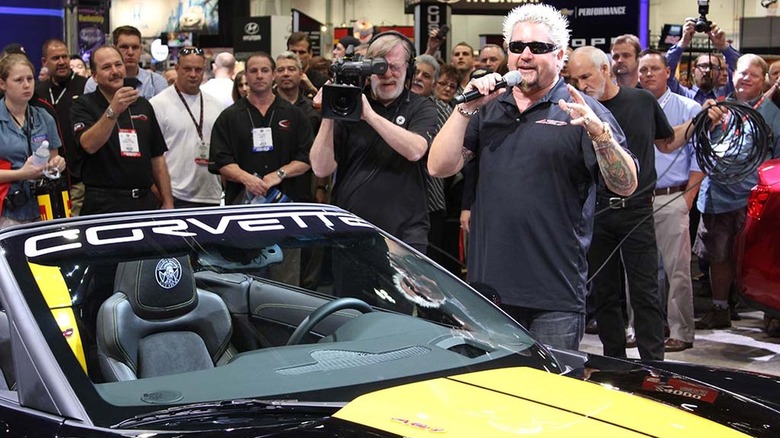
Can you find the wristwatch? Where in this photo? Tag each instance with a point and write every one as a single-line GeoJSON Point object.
{"type": "Point", "coordinates": [605, 136]}
{"type": "Point", "coordinates": [281, 173]}
{"type": "Point", "coordinates": [110, 113]}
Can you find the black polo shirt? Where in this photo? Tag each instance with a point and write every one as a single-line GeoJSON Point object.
{"type": "Point", "coordinates": [305, 105]}
{"type": "Point", "coordinates": [107, 168]}
{"type": "Point", "coordinates": [376, 182]}
{"type": "Point", "coordinates": [61, 97]}
{"type": "Point", "coordinates": [231, 143]}
{"type": "Point", "coordinates": [643, 121]}
{"type": "Point", "coordinates": [532, 217]}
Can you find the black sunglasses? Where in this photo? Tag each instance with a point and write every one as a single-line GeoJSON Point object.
{"type": "Point", "coordinates": [191, 51]}
{"type": "Point", "coordinates": [536, 47]}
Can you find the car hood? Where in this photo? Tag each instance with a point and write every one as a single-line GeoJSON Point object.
{"type": "Point", "coordinates": [605, 397]}
{"type": "Point", "coordinates": [521, 401]}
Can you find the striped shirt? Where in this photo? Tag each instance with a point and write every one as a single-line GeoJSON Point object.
{"type": "Point", "coordinates": [435, 186]}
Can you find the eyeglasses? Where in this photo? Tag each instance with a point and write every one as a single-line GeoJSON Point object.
{"type": "Point", "coordinates": [191, 51]}
{"type": "Point", "coordinates": [443, 84]}
{"type": "Point", "coordinates": [705, 67]}
{"type": "Point", "coordinates": [396, 68]}
{"type": "Point", "coordinates": [536, 47]}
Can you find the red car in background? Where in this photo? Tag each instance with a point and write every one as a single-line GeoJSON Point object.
{"type": "Point", "coordinates": [757, 246]}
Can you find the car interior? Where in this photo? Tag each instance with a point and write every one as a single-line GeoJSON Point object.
{"type": "Point", "coordinates": [153, 328]}
{"type": "Point", "coordinates": [187, 315]}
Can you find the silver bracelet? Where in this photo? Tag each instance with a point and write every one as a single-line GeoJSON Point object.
{"type": "Point", "coordinates": [466, 113]}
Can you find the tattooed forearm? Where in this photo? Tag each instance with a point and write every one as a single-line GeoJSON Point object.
{"type": "Point", "coordinates": [617, 168]}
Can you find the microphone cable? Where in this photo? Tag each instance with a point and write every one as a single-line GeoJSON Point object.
{"type": "Point", "coordinates": [631, 231]}
{"type": "Point", "coordinates": [742, 143]}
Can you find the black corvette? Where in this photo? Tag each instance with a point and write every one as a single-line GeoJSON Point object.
{"type": "Point", "coordinates": [303, 320]}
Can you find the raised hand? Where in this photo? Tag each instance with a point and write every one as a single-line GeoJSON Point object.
{"type": "Point", "coordinates": [581, 114]}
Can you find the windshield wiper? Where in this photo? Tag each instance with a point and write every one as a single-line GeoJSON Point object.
{"type": "Point", "coordinates": [229, 408]}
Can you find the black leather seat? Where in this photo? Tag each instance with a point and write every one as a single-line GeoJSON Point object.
{"type": "Point", "coordinates": [158, 323]}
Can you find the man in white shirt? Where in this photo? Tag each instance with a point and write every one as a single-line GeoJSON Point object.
{"type": "Point", "coordinates": [221, 86]}
{"type": "Point", "coordinates": [186, 116]}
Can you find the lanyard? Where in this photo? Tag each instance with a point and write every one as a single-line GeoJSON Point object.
{"type": "Point", "coordinates": [198, 126]}
{"type": "Point", "coordinates": [129, 113]}
{"type": "Point", "coordinates": [64, 89]}
{"type": "Point", "coordinates": [27, 132]}
{"type": "Point", "coordinates": [725, 122]}
{"type": "Point", "coordinates": [666, 100]}
{"type": "Point", "coordinates": [253, 122]}
{"type": "Point", "coordinates": [760, 101]}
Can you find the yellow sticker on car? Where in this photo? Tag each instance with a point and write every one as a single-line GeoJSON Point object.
{"type": "Point", "coordinates": [55, 292]}
{"type": "Point", "coordinates": [520, 401]}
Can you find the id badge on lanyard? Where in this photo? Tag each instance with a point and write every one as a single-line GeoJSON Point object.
{"type": "Point", "coordinates": [128, 143]}
{"type": "Point", "coordinates": [262, 140]}
{"type": "Point", "coordinates": [203, 154]}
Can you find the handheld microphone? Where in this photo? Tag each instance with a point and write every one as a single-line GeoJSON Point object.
{"type": "Point", "coordinates": [510, 79]}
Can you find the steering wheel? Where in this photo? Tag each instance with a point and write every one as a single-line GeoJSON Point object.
{"type": "Point", "coordinates": [324, 311]}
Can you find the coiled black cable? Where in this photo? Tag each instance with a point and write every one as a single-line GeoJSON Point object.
{"type": "Point", "coordinates": [733, 152]}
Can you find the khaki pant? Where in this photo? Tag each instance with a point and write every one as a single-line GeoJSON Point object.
{"type": "Point", "coordinates": [674, 245]}
{"type": "Point", "coordinates": [76, 198]}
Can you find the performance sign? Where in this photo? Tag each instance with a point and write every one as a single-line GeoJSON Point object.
{"type": "Point", "coordinates": [592, 22]}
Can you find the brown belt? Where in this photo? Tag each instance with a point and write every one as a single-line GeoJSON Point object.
{"type": "Point", "coordinates": [670, 190]}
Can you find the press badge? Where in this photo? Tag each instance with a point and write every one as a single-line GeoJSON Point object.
{"type": "Point", "coordinates": [128, 143]}
{"type": "Point", "coordinates": [203, 154]}
{"type": "Point", "coordinates": [262, 140]}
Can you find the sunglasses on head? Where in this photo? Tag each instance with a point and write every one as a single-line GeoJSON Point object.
{"type": "Point", "coordinates": [191, 51]}
{"type": "Point", "coordinates": [536, 47]}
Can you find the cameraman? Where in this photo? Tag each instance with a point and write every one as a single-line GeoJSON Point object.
{"type": "Point", "coordinates": [380, 176]}
{"type": "Point", "coordinates": [708, 67]}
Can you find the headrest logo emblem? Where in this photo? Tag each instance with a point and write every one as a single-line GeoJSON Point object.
{"type": "Point", "coordinates": [168, 273]}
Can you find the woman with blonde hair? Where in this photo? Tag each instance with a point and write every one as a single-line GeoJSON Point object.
{"type": "Point", "coordinates": [23, 129]}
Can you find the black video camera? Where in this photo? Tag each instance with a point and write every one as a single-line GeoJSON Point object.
{"type": "Point", "coordinates": [342, 100]}
{"type": "Point", "coordinates": [702, 24]}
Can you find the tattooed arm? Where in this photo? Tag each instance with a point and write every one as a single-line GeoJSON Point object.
{"type": "Point", "coordinates": [616, 164]}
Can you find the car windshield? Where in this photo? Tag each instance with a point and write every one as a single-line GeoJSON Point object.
{"type": "Point", "coordinates": [295, 302]}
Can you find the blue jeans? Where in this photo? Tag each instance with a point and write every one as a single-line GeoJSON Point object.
{"type": "Point", "coordinates": [558, 329]}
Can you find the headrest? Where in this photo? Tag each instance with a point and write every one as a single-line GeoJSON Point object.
{"type": "Point", "coordinates": [158, 288]}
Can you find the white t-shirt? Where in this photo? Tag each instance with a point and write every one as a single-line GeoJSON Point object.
{"type": "Point", "coordinates": [190, 181]}
{"type": "Point", "coordinates": [221, 88]}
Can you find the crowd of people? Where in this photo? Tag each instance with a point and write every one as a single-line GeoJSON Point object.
{"type": "Point", "coordinates": [574, 187]}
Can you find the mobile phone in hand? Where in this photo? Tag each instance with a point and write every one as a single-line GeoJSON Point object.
{"type": "Point", "coordinates": [130, 82]}
{"type": "Point", "coordinates": [442, 32]}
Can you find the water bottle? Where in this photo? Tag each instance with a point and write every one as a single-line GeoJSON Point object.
{"type": "Point", "coordinates": [41, 155]}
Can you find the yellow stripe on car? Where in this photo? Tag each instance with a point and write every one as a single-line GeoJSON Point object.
{"type": "Point", "coordinates": [55, 292]}
{"type": "Point", "coordinates": [520, 401]}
